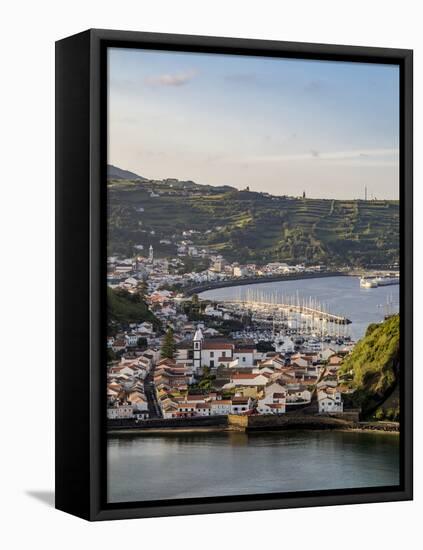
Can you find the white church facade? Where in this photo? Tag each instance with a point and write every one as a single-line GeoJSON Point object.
{"type": "Point", "coordinates": [213, 353]}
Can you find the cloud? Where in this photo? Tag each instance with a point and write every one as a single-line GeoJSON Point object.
{"type": "Point", "coordinates": [382, 156]}
{"type": "Point", "coordinates": [179, 79]}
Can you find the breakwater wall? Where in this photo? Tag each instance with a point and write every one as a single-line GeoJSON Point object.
{"type": "Point", "coordinates": [189, 291]}
{"type": "Point", "coordinates": [289, 422]}
{"type": "Point", "coordinates": [160, 423]}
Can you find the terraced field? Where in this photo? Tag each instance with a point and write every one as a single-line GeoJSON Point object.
{"type": "Point", "coordinates": [248, 226]}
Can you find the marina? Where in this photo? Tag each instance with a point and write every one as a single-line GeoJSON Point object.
{"type": "Point", "coordinates": [335, 308]}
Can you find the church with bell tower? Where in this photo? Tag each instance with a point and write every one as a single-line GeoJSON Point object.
{"type": "Point", "coordinates": [198, 342]}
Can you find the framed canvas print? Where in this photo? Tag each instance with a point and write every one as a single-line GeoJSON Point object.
{"type": "Point", "coordinates": [234, 274]}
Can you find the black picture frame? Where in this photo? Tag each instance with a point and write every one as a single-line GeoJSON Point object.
{"type": "Point", "coordinates": [81, 98]}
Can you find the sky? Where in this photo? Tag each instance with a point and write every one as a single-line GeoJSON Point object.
{"type": "Point", "coordinates": [282, 126]}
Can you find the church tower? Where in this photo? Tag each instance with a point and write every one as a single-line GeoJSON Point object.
{"type": "Point", "coordinates": [198, 341]}
{"type": "Point", "coordinates": [151, 254]}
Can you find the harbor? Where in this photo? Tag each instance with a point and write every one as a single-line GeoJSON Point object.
{"type": "Point", "coordinates": [334, 309]}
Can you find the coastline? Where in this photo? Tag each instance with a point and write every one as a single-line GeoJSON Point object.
{"type": "Point", "coordinates": [198, 289]}
{"type": "Point", "coordinates": [359, 427]}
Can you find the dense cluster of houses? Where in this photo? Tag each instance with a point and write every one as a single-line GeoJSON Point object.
{"type": "Point", "coordinates": [125, 384]}
{"type": "Point", "coordinates": [126, 273]}
{"type": "Point", "coordinates": [244, 380]}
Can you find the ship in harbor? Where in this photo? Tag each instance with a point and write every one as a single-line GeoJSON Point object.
{"type": "Point", "coordinates": [374, 282]}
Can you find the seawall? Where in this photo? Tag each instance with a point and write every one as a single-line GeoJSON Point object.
{"type": "Point", "coordinates": [265, 422]}
{"type": "Point", "coordinates": [167, 423]}
{"type": "Point", "coordinates": [189, 291]}
{"type": "Point", "coordinates": [289, 422]}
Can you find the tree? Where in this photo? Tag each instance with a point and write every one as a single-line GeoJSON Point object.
{"type": "Point", "coordinates": [142, 288]}
{"type": "Point", "coordinates": [142, 342]}
{"type": "Point", "coordinates": [168, 346]}
{"type": "Point", "coordinates": [111, 355]}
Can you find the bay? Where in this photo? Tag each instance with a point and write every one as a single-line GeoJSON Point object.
{"type": "Point", "coordinates": [148, 467]}
{"type": "Point", "coordinates": [340, 295]}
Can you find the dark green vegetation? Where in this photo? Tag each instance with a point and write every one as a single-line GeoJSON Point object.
{"type": "Point", "coordinates": [251, 227]}
{"type": "Point", "coordinates": [125, 308]}
{"type": "Point", "coordinates": [204, 384]}
{"type": "Point", "coordinates": [373, 370]}
{"type": "Point", "coordinates": [169, 345]}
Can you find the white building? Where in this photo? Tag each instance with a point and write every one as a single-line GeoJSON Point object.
{"type": "Point", "coordinates": [285, 345]}
{"type": "Point", "coordinates": [210, 353]}
{"type": "Point", "coordinates": [220, 407]}
{"type": "Point", "coordinates": [240, 271]}
{"type": "Point", "coordinates": [241, 405]}
{"type": "Point", "coordinates": [131, 339]}
{"type": "Point", "coordinates": [245, 356]}
{"type": "Point", "coordinates": [297, 393]}
{"type": "Point", "coordinates": [330, 401]}
{"type": "Point", "coordinates": [273, 401]}
{"type": "Point", "coordinates": [121, 412]}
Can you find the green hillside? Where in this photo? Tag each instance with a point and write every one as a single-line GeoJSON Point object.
{"type": "Point", "coordinates": [123, 307]}
{"type": "Point", "coordinates": [248, 226]}
{"type": "Point", "coordinates": [373, 370]}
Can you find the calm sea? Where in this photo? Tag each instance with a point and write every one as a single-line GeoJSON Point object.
{"type": "Point", "coordinates": [148, 467]}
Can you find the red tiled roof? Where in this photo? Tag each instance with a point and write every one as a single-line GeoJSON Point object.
{"type": "Point", "coordinates": [216, 345]}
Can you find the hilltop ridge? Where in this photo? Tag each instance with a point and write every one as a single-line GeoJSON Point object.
{"type": "Point", "coordinates": [249, 226]}
{"type": "Point", "coordinates": [114, 172]}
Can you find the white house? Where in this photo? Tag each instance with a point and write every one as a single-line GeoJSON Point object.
{"type": "Point", "coordinates": [131, 339]}
{"type": "Point", "coordinates": [138, 401]}
{"type": "Point", "coordinates": [241, 405]}
{"type": "Point", "coordinates": [186, 409]}
{"type": "Point", "coordinates": [330, 401]}
{"type": "Point", "coordinates": [220, 407]}
{"type": "Point", "coordinates": [273, 401]}
{"type": "Point", "coordinates": [241, 271]}
{"type": "Point", "coordinates": [212, 312]}
{"type": "Point", "coordinates": [245, 356]}
{"type": "Point", "coordinates": [120, 412]}
{"type": "Point", "coordinates": [169, 408]}
{"type": "Point", "coordinates": [202, 409]}
{"type": "Point", "coordinates": [297, 393]}
{"type": "Point", "coordinates": [285, 346]}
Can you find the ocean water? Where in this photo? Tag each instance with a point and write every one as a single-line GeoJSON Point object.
{"type": "Point", "coordinates": [149, 467]}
